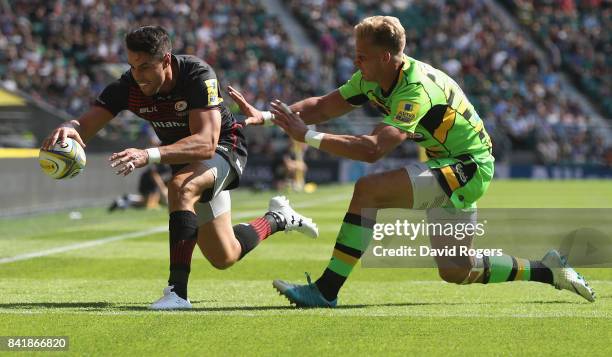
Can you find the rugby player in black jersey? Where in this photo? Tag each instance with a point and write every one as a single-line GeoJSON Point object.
{"type": "Point", "coordinates": [179, 95]}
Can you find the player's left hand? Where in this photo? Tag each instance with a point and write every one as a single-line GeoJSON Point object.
{"type": "Point", "coordinates": [254, 116]}
{"type": "Point", "coordinates": [291, 123]}
{"type": "Point", "coordinates": [128, 160]}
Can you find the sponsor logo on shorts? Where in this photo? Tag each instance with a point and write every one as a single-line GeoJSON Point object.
{"type": "Point", "coordinates": [459, 170]}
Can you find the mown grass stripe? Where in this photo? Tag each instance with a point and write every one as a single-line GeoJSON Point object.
{"type": "Point", "coordinates": [139, 234]}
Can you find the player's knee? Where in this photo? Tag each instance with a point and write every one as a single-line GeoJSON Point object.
{"type": "Point", "coordinates": [363, 190]}
{"type": "Point", "coordinates": [362, 185]}
{"type": "Point", "coordinates": [182, 190]}
{"type": "Point", "coordinates": [221, 262]}
{"type": "Point", "coordinates": [453, 275]}
{"type": "Point", "coordinates": [220, 258]}
{"type": "Point", "coordinates": [222, 265]}
{"type": "Point", "coordinates": [174, 186]}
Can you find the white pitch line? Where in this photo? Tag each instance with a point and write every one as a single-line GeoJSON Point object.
{"type": "Point", "coordinates": [89, 244]}
{"type": "Point", "coordinates": [159, 229]}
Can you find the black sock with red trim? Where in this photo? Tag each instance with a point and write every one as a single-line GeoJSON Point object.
{"type": "Point", "coordinates": [250, 234]}
{"type": "Point", "coordinates": [183, 228]}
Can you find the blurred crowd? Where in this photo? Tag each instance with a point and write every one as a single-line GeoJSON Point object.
{"type": "Point", "coordinates": [518, 95]}
{"type": "Point", "coordinates": [53, 50]}
{"type": "Point", "coordinates": [578, 35]}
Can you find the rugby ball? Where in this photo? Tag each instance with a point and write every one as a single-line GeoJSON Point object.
{"type": "Point", "coordinates": [65, 160]}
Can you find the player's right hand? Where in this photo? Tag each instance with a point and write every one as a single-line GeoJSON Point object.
{"type": "Point", "coordinates": [254, 116]}
{"type": "Point", "coordinates": [66, 130]}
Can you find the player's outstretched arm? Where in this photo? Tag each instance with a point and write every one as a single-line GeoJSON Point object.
{"type": "Point", "coordinates": [368, 148]}
{"type": "Point", "coordinates": [313, 110]}
{"type": "Point", "coordinates": [317, 110]}
{"type": "Point", "coordinates": [205, 126]}
{"type": "Point", "coordinates": [82, 129]}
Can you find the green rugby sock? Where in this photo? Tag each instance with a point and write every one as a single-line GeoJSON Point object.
{"type": "Point", "coordinates": [508, 268]}
{"type": "Point", "coordinates": [353, 238]}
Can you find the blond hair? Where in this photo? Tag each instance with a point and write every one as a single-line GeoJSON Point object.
{"type": "Point", "coordinates": [384, 31]}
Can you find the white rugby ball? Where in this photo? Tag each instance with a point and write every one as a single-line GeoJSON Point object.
{"type": "Point", "coordinates": [65, 160]}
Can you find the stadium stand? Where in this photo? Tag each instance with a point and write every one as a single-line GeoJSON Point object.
{"type": "Point", "coordinates": [577, 35]}
{"type": "Point", "coordinates": [55, 51]}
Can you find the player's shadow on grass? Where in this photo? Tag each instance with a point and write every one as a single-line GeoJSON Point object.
{"type": "Point", "coordinates": [340, 307]}
{"type": "Point", "coordinates": [99, 306]}
{"type": "Point", "coordinates": [284, 307]}
{"type": "Point", "coordinates": [445, 303]}
{"type": "Point", "coordinates": [57, 305]}
{"type": "Point", "coordinates": [544, 302]}
{"type": "Point", "coordinates": [93, 306]}
{"type": "Point", "coordinates": [398, 304]}
{"type": "Point", "coordinates": [211, 309]}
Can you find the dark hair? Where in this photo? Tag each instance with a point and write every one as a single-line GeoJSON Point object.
{"type": "Point", "coordinates": [153, 40]}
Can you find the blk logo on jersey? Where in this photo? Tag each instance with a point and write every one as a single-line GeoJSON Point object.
{"type": "Point", "coordinates": [152, 109]}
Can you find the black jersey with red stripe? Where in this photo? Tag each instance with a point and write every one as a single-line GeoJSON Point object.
{"type": "Point", "coordinates": [196, 88]}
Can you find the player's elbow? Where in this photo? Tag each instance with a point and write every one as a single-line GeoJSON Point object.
{"type": "Point", "coordinates": [207, 155]}
{"type": "Point", "coordinates": [374, 154]}
{"type": "Point", "coordinates": [370, 159]}
{"type": "Point", "coordinates": [205, 152]}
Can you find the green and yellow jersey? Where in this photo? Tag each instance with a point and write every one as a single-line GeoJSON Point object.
{"type": "Point", "coordinates": [429, 105]}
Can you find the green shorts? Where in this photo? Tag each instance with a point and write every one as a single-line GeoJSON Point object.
{"type": "Point", "coordinates": [463, 178]}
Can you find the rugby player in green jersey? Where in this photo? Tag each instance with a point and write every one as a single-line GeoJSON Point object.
{"type": "Point", "coordinates": [419, 103]}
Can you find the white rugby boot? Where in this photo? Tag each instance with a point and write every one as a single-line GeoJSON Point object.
{"type": "Point", "coordinates": [170, 301]}
{"type": "Point", "coordinates": [294, 221]}
{"type": "Point", "coordinates": [565, 277]}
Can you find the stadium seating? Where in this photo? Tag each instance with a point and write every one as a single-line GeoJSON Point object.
{"type": "Point", "coordinates": [52, 51]}
{"type": "Point", "coordinates": [577, 35]}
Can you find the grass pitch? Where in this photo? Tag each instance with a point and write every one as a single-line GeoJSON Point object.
{"type": "Point", "coordinates": [96, 290]}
